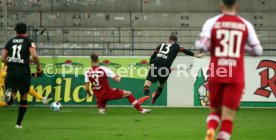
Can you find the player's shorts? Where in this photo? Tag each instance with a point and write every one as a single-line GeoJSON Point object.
{"type": "Point", "coordinates": [18, 78]}
{"type": "Point", "coordinates": [112, 94]}
{"type": "Point", "coordinates": [225, 94]}
{"type": "Point", "coordinates": [158, 73]}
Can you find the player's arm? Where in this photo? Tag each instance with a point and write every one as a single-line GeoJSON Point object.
{"type": "Point", "coordinates": [153, 56]}
{"type": "Point", "coordinates": [254, 48]}
{"type": "Point", "coordinates": [87, 89]}
{"type": "Point", "coordinates": [86, 85]}
{"type": "Point", "coordinates": [190, 53]}
{"type": "Point", "coordinates": [112, 75]}
{"type": "Point", "coordinates": [4, 56]}
{"type": "Point", "coordinates": [35, 57]}
{"type": "Point", "coordinates": [203, 44]}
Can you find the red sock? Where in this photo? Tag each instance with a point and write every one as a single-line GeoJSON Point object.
{"type": "Point", "coordinates": [132, 100]}
{"type": "Point", "coordinates": [213, 121]}
{"type": "Point", "coordinates": [138, 107]}
{"type": "Point", "coordinates": [225, 130]}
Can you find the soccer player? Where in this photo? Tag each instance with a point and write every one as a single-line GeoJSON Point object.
{"type": "Point", "coordinates": [225, 36]}
{"type": "Point", "coordinates": [98, 76]}
{"type": "Point", "coordinates": [32, 91]}
{"type": "Point", "coordinates": [16, 55]}
{"type": "Point", "coordinates": [161, 61]}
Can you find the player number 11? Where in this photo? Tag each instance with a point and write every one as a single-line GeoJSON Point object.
{"type": "Point", "coordinates": [229, 43]}
{"type": "Point", "coordinates": [16, 50]}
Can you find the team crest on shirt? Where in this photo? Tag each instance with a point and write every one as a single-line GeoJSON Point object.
{"type": "Point", "coordinates": [268, 78]}
{"type": "Point", "coordinates": [201, 90]}
{"type": "Point", "coordinates": [142, 63]}
{"type": "Point", "coordinates": [69, 62]}
{"type": "Point", "coordinates": [107, 63]}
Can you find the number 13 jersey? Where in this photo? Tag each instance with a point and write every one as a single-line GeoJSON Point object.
{"type": "Point", "coordinates": [228, 35]}
{"type": "Point", "coordinates": [166, 53]}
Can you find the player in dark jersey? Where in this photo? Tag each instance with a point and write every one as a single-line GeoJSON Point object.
{"type": "Point", "coordinates": [161, 61]}
{"type": "Point", "coordinates": [16, 55]}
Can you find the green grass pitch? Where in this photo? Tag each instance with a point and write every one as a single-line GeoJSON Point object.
{"type": "Point", "coordinates": [83, 123]}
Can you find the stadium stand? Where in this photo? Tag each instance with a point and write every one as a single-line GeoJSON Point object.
{"type": "Point", "coordinates": [74, 27]}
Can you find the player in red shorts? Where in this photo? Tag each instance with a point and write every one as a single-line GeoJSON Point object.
{"type": "Point", "coordinates": [98, 76]}
{"type": "Point", "coordinates": [225, 36]}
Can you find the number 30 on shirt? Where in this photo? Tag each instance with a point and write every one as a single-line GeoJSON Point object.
{"type": "Point", "coordinates": [231, 43]}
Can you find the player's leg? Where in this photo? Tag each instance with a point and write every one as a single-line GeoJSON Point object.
{"type": "Point", "coordinates": [146, 87]}
{"type": "Point", "coordinates": [214, 118]}
{"type": "Point", "coordinates": [136, 103]}
{"type": "Point", "coordinates": [23, 81]}
{"type": "Point", "coordinates": [132, 100]}
{"type": "Point", "coordinates": [151, 78]}
{"type": "Point", "coordinates": [2, 103]}
{"type": "Point", "coordinates": [22, 109]}
{"type": "Point", "coordinates": [35, 94]}
{"type": "Point", "coordinates": [38, 96]}
{"type": "Point", "coordinates": [101, 104]}
{"type": "Point", "coordinates": [231, 101]}
{"type": "Point", "coordinates": [163, 75]}
{"type": "Point", "coordinates": [11, 89]}
{"type": "Point", "coordinates": [157, 93]}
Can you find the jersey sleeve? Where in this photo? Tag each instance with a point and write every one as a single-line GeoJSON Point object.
{"type": "Point", "coordinates": [207, 29]}
{"type": "Point", "coordinates": [157, 48]}
{"type": "Point", "coordinates": [32, 44]}
{"type": "Point", "coordinates": [205, 35]}
{"type": "Point", "coordinates": [252, 36]}
{"type": "Point", "coordinates": [253, 41]}
{"type": "Point", "coordinates": [7, 44]}
{"type": "Point", "coordinates": [109, 72]}
{"type": "Point", "coordinates": [86, 78]}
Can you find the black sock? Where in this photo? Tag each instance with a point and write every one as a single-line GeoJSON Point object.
{"type": "Point", "coordinates": [158, 92]}
{"type": "Point", "coordinates": [21, 111]}
{"type": "Point", "coordinates": [146, 90]}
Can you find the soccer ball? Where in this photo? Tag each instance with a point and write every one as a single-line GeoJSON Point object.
{"type": "Point", "coordinates": [55, 106]}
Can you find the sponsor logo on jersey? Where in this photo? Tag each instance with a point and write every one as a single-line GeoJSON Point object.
{"type": "Point", "coordinates": [107, 63]}
{"type": "Point", "coordinates": [201, 90]}
{"type": "Point", "coordinates": [142, 63]}
{"type": "Point", "coordinates": [268, 78]}
{"type": "Point", "coordinates": [15, 60]}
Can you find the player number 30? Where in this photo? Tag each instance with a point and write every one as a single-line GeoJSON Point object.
{"type": "Point", "coordinates": [229, 43]}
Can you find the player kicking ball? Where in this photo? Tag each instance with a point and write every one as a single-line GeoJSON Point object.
{"type": "Point", "coordinates": [98, 76]}
{"type": "Point", "coordinates": [225, 36]}
{"type": "Point", "coordinates": [161, 61]}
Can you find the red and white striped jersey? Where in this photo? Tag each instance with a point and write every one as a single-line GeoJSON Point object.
{"type": "Point", "coordinates": [98, 76]}
{"type": "Point", "coordinates": [226, 36]}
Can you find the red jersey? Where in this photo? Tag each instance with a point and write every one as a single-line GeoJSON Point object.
{"type": "Point", "coordinates": [227, 36]}
{"type": "Point", "coordinates": [98, 76]}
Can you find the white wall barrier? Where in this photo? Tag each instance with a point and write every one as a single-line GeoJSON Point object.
{"type": "Point", "coordinates": [186, 83]}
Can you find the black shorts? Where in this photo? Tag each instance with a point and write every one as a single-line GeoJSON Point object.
{"type": "Point", "coordinates": [158, 73]}
{"type": "Point", "coordinates": [18, 78]}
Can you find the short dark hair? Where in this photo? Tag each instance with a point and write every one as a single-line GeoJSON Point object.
{"type": "Point", "coordinates": [229, 3]}
{"type": "Point", "coordinates": [173, 38]}
{"type": "Point", "coordinates": [21, 28]}
{"type": "Point", "coordinates": [94, 57]}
